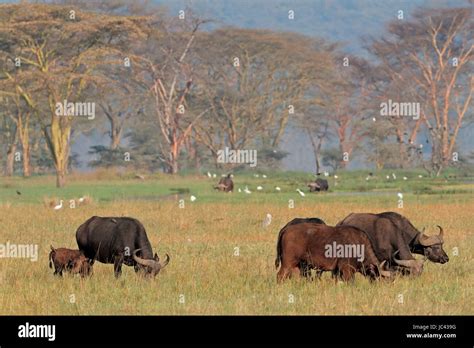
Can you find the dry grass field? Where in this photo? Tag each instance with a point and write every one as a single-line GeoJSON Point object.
{"type": "Point", "coordinates": [208, 275]}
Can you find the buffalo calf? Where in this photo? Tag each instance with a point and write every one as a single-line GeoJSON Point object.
{"type": "Point", "coordinates": [69, 260]}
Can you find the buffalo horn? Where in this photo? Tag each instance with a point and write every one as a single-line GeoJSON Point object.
{"type": "Point", "coordinates": [144, 262]}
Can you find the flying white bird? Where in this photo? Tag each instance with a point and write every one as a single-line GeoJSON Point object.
{"type": "Point", "coordinates": [209, 175]}
{"type": "Point", "coordinates": [192, 198]}
{"type": "Point", "coordinates": [267, 221]}
{"type": "Point", "coordinates": [59, 206]}
{"type": "Point", "coordinates": [277, 188]}
{"type": "Point", "coordinates": [259, 188]}
{"type": "Point", "coordinates": [300, 192]}
{"type": "Point", "coordinates": [400, 195]}
{"type": "Point", "coordinates": [394, 176]}
{"type": "Point", "coordinates": [246, 190]}
{"type": "Point", "coordinates": [264, 176]}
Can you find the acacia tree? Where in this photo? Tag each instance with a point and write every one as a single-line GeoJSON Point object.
{"type": "Point", "coordinates": [20, 114]}
{"type": "Point", "coordinates": [343, 101]}
{"type": "Point", "coordinates": [253, 81]}
{"type": "Point", "coordinates": [58, 48]}
{"type": "Point", "coordinates": [166, 70]}
{"type": "Point", "coordinates": [432, 55]}
{"type": "Point", "coordinates": [9, 135]}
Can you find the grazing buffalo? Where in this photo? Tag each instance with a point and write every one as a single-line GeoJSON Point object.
{"type": "Point", "coordinates": [225, 184]}
{"type": "Point", "coordinates": [305, 268]}
{"type": "Point", "coordinates": [69, 260]}
{"type": "Point", "coordinates": [119, 240]}
{"type": "Point", "coordinates": [343, 250]}
{"type": "Point", "coordinates": [392, 233]}
{"type": "Point", "coordinates": [318, 185]}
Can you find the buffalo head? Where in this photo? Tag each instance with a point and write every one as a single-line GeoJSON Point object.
{"type": "Point", "coordinates": [414, 267]}
{"type": "Point", "coordinates": [80, 265]}
{"type": "Point", "coordinates": [433, 247]}
{"type": "Point", "coordinates": [151, 266]}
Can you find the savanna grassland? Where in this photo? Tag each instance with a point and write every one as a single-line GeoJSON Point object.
{"type": "Point", "coordinates": [201, 238]}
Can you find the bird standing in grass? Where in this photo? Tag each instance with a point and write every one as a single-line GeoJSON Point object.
{"type": "Point", "coordinates": [59, 206]}
{"type": "Point", "coordinates": [300, 192]}
{"type": "Point", "coordinates": [267, 221]}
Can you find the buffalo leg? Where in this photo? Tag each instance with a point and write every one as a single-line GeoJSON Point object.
{"type": "Point", "coordinates": [58, 271]}
{"type": "Point", "coordinates": [347, 273]}
{"type": "Point", "coordinates": [287, 270]}
{"type": "Point", "coordinates": [283, 274]}
{"type": "Point", "coordinates": [118, 261]}
{"type": "Point", "coordinates": [305, 270]}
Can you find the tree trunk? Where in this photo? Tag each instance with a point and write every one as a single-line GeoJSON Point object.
{"type": "Point", "coordinates": [114, 141]}
{"type": "Point", "coordinates": [59, 146]}
{"type": "Point", "coordinates": [26, 159]}
{"type": "Point", "coordinates": [60, 178]}
{"type": "Point", "coordinates": [10, 162]}
{"type": "Point", "coordinates": [316, 150]}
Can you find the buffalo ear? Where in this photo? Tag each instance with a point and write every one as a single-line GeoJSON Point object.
{"type": "Point", "coordinates": [156, 257]}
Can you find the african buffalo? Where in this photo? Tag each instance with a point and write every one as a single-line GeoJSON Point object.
{"type": "Point", "coordinates": [225, 184]}
{"type": "Point", "coordinates": [119, 240]}
{"type": "Point", "coordinates": [72, 261]}
{"type": "Point", "coordinates": [392, 233]}
{"type": "Point", "coordinates": [310, 243]}
{"type": "Point", "coordinates": [305, 268]}
{"type": "Point", "coordinates": [318, 185]}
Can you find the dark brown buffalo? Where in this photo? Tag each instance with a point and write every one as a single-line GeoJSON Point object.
{"type": "Point", "coordinates": [119, 240]}
{"type": "Point", "coordinates": [305, 269]}
{"type": "Point", "coordinates": [308, 243]}
{"type": "Point", "coordinates": [69, 260]}
{"type": "Point", "coordinates": [318, 185]}
{"type": "Point", "coordinates": [392, 233]}
{"type": "Point", "coordinates": [225, 184]}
